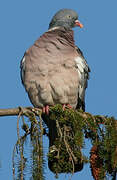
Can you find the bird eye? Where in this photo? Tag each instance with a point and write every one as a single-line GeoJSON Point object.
{"type": "Point", "coordinates": [68, 16]}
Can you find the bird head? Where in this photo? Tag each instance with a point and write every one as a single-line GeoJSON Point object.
{"type": "Point", "coordinates": [66, 18]}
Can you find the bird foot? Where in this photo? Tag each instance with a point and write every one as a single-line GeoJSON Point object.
{"type": "Point", "coordinates": [66, 106]}
{"type": "Point", "coordinates": [45, 109]}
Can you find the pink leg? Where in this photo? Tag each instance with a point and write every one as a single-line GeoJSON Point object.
{"type": "Point", "coordinates": [69, 106]}
{"type": "Point", "coordinates": [45, 109]}
{"type": "Point", "coordinates": [66, 105]}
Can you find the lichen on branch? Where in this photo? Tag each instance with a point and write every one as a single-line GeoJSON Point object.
{"type": "Point", "coordinates": [68, 130]}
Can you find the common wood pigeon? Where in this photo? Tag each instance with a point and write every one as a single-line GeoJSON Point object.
{"type": "Point", "coordinates": [53, 69]}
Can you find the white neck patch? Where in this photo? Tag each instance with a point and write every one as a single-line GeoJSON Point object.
{"type": "Point", "coordinates": [54, 28]}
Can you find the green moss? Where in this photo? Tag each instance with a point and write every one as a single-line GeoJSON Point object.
{"type": "Point", "coordinates": [67, 132]}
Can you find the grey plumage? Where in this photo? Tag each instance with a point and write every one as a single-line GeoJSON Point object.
{"type": "Point", "coordinates": [64, 18]}
{"type": "Point", "coordinates": [53, 70]}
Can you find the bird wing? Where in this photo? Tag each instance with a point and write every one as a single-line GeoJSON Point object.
{"type": "Point", "coordinates": [83, 71]}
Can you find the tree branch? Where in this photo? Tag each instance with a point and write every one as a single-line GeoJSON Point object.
{"type": "Point", "coordinates": [16, 111]}
{"type": "Point", "coordinates": [79, 125]}
{"type": "Point", "coordinates": [37, 111]}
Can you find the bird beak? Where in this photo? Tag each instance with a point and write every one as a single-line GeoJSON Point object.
{"type": "Point", "coordinates": [78, 23]}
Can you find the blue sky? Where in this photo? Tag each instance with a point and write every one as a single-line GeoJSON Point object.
{"type": "Point", "coordinates": [21, 23]}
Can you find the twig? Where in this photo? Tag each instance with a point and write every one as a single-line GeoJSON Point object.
{"type": "Point", "coordinates": [59, 129]}
{"type": "Point", "coordinates": [13, 162]}
{"type": "Point", "coordinates": [67, 145]}
{"type": "Point", "coordinates": [71, 155]}
{"type": "Point", "coordinates": [69, 151]}
{"type": "Point", "coordinates": [19, 142]}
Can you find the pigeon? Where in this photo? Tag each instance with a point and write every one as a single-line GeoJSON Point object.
{"type": "Point", "coordinates": [54, 70]}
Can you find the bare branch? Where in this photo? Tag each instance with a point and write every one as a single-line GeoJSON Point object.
{"type": "Point", "coordinates": [16, 111]}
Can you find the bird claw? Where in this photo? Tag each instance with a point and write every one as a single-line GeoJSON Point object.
{"type": "Point", "coordinates": [66, 106]}
{"type": "Point", "coordinates": [45, 109]}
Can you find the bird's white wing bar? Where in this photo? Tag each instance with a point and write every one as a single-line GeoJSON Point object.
{"type": "Point", "coordinates": [83, 73]}
{"type": "Point", "coordinates": [81, 67]}
{"type": "Point", "coordinates": [22, 69]}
